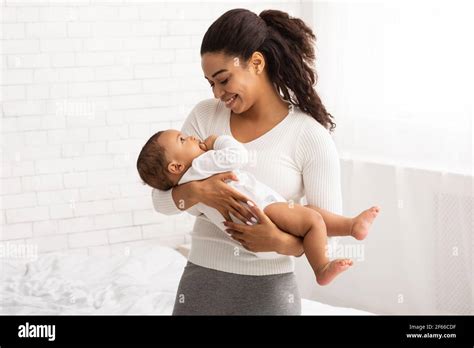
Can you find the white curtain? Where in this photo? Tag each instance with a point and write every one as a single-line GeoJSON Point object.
{"type": "Point", "coordinates": [397, 76]}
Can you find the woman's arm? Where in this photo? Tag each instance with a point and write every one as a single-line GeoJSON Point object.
{"type": "Point", "coordinates": [317, 156]}
{"type": "Point", "coordinates": [265, 236]}
{"type": "Point", "coordinates": [212, 191]}
{"type": "Point", "coordinates": [164, 202]}
{"type": "Point", "coordinates": [318, 159]}
{"type": "Point", "coordinates": [184, 196]}
{"type": "Point", "coordinates": [175, 200]}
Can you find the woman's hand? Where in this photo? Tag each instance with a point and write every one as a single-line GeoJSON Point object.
{"type": "Point", "coordinates": [215, 193]}
{"type": "Point", "coordinates": [265, 236]}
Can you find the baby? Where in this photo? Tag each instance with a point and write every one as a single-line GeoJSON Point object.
{"type": "Point", "coordinates": [171, 158]}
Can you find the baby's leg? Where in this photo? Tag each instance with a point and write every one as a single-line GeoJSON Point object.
{"type": "Point", "coordinates": [357, 227]}
{"type": "Point", "coordinates": [309, 224]}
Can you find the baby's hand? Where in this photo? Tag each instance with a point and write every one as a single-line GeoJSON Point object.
{"type": "Point", "coordinates": [202, 146]}
{"type": "Point", "coordinates": [208, 143]}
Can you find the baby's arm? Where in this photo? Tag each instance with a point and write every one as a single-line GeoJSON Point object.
{"type": "Point", "coordinates": [208, 143]}
{"type": "Point", "coordinates": [227, 154]}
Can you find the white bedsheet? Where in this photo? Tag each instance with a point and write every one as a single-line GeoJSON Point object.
{"type": "Point", "coordinates": [144, 282]}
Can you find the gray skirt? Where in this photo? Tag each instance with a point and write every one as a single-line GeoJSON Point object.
{"type": "Point", "coordinates": [205, 291]}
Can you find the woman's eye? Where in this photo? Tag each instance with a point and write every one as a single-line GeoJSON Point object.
{"type": "Point", "coordinates": [222, 82]}
{"type": "Point", "coordinates": [182, 139]}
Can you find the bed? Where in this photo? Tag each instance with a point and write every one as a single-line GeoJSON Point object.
{"type": "Point", "coordinates": [137, 280]}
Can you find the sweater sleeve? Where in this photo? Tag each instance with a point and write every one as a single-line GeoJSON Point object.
{"type": "Point", "coordinates": [195, 124]}
{"type": "Point", "coordinates": [318, 158]}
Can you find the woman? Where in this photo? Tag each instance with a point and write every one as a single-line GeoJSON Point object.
{"type": "Point", "coordinates": [259, 69]}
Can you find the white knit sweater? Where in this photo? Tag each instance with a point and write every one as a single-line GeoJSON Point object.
{"type": "Point", "coordinates": [296, 158]}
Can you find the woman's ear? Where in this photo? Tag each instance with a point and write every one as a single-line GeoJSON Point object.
{"type": "Point", "coordinates": [257, 62]}
{"type": "Point", "coordinates": [175, 167]}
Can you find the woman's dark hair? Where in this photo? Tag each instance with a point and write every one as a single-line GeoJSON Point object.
{"type": "Point", "coordinates": [288, 47]}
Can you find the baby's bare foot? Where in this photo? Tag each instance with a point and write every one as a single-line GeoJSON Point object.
{"type": "Point", "coordinates": [325, 274]}
{"type": "Point", "coordinates": [361, 223]}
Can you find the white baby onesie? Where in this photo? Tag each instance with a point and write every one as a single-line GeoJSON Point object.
{"type": "Point", "coordinates": [230, 155]}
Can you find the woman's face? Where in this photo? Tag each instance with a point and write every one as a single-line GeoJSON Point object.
{"type": "Point", "coordinates": [235, 83]}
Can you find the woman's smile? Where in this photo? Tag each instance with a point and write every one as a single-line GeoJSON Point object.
{"type": "Point", "coordinates": [230, 101]}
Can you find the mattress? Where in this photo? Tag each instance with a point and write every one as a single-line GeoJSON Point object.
{"type": "Point", "coordinates": [143, 280]}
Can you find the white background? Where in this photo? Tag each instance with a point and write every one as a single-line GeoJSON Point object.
{"type": "Point", "coordinates": [85, 83]}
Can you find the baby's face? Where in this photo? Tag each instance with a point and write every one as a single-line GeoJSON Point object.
{"type": "Point", "coordinates": [180, 147]}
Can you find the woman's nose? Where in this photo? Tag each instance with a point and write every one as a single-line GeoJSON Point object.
{"type": "Point", "coordinates": [218, 93]}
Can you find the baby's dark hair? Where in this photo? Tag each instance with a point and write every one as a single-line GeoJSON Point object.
{"type": "Point", "coordinates": [152, 164]}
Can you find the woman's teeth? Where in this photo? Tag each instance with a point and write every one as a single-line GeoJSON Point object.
{"type": "Point", "coordinates": [228, 102]}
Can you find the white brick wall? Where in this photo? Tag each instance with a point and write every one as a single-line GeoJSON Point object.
{"type": "Point", "coordinates": [83, 87]}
